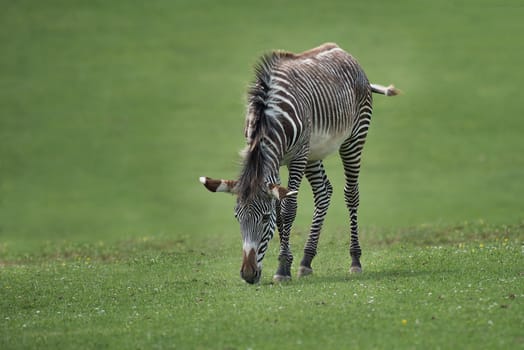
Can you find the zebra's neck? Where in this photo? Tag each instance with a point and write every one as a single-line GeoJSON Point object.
{"type": "Point", "coordinates": [260, 167]}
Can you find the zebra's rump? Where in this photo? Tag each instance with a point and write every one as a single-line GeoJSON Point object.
{"type": "Point", "coordinates": [331, 86]}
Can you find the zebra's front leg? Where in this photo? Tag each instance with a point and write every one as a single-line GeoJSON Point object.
{"type": "Point", "coordinates": [322, 191]}
{"type": "Point", "coordinates": [288, 212]}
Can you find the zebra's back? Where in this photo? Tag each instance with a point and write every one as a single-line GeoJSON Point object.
{"type": "Point", "coordinates": [321, 91]}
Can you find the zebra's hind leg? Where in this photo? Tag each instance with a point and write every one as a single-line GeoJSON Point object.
{"type": "Point", "coordinates": [351, 152]}
{"type": "Point", "coordinates": [288, 212]}
{"type": "Point", "coordinates": [322, 191]}
{"type": "Point", "coordinates": [352, 198]}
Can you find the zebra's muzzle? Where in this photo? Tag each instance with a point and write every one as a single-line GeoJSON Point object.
{"type": "Point", "coordinates": [250, 271]}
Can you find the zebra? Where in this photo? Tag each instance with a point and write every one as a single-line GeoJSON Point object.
{"type": "Point", "coordinates": [301, 108]}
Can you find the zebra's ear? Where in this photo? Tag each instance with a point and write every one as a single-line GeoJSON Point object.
{"type": "Point", "coordinates": [219, 185]}
{"type": "Point", "coordinates": [280, 192]}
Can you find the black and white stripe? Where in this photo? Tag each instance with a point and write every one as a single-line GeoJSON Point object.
{"type": "Point", "coordinates": [302, 108]}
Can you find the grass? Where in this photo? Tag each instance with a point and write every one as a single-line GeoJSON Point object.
{"type": "Point", "coordinates": [465, 292]}
{"type": "Point", "coordinates": [110, 111]}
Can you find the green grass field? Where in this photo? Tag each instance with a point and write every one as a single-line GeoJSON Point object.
{"type": "Point", "coordinates": [110, 111]}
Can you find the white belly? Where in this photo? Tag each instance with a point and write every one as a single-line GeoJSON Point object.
{"type": "Point", "coordinates": [322, 144]}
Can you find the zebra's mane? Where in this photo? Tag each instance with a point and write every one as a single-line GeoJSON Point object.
{"type": "Point", "coordinates": [255, 162]}
{"type": "Point", "coordinates": [260, 92]}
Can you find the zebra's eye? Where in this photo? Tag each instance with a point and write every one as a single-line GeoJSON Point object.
{"type": "Point", "coordinates": [266, 217]}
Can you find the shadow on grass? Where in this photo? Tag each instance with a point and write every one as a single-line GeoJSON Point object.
{"type": "Point", "coordinates": [341, 277]}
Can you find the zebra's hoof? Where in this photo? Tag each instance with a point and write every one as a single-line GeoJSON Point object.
{"type": "Point", "coordinates": [304, 271]}
{"type": "Point", "coordinates": [281, 278]}
{"type": "Point", "coordinates": [355, 269]}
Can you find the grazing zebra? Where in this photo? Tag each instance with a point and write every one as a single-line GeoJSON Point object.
{"type": "Point", "coordinates": [301, 108]}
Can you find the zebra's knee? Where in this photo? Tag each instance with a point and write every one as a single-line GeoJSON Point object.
{"type": "Point", "coordinates": [323, 197]}
{"type": "Point", "coordinates": [288, 210]}
{"type": "Point", "coordinates": [329, 188]}
{"type": "Point", "coordinates": [351, 189]}
{"type": "Point", "coordinates": [288, 204]}
{"type": "Point", "coordinates": [351, 195]}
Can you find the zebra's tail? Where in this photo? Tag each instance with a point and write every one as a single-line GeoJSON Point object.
{"type": "Point", "coordinates": [385, 90]}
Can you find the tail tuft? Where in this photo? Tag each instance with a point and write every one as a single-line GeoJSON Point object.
{"type": "Point", "coordinates": [388, 91]}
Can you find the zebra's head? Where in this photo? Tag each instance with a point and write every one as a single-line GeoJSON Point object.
{"type": "Point", "coordinates": [257, 217]}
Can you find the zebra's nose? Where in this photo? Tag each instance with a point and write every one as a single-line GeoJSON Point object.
{"type": "Point", "coordinates": [250, 271]}
{"type": "Point", "coordinates": [251, 278]}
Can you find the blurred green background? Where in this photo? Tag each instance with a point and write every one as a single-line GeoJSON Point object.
{"type": "Point", "coordinates": [111, 110]}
